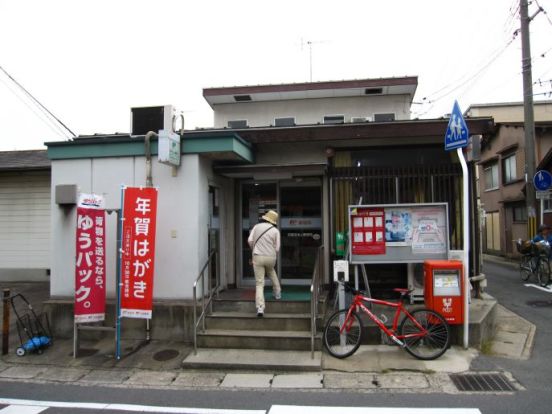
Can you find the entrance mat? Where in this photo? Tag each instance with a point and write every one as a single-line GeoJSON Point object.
{"type": "Point", "coordinates": [291, 293]}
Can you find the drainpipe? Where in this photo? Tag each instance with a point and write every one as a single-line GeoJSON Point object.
{"type": "Point", "coordinates": [149, 183]}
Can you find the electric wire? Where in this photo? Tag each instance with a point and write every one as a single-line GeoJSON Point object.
{"type": "Point", "coordinates": [54, 127]}
{"type": "Point", "coordinates": [544, 11]}
{"type": "Point", "coordinates": [37, 101]}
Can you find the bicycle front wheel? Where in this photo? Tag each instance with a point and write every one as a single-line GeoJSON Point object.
{"type": "Point", "coordinates": [342, 336]}
{"type": "Point", "coordinates": [425, 333]}
{"type": "Point", "coordinates": [544, 272]}
{"type": "Point", "coordinates": [525, 268]}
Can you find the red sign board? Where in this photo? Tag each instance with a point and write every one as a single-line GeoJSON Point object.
{"type": "Point", "coordinates": [138, 251]}
{"type": "Point", "coordinates": [368, 231]}
{"type": "Point", "coordinates": [90, 260]}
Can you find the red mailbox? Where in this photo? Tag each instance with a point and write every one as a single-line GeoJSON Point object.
{"type": "Point", "coordinates": [444, 289]}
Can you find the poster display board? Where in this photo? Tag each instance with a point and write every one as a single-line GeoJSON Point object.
{"type": "Point", "coordinates": [398, 233]}
{"type": "Point", "coordinates": [138, 251]}
{"type": "Point", "coordinates": [90, 289]}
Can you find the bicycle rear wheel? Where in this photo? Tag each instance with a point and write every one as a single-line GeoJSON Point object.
{"type": "Point", "coordinates": [525, 268]}
{"type": "Point", "coordinates": [342, 341]}
{"type": "Point", "coordinates": [543, 272]}
{"type": "Point", "coordinates": [425, 333]}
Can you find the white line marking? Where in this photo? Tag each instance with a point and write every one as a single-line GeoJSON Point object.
{"type": "Point", "coordinates": [119, 407]}
{"type": "Point", "coordinates": [17, 409]}
{"type": "Point", "coordinates": [293, 409]}
{"type": "Point", "coordinates": [544, 289]}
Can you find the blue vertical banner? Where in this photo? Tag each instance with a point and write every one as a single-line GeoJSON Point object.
{"type": "Point", "coordinates": [457, 131]}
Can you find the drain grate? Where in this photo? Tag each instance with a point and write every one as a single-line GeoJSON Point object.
{"type": "Point", "coordinates": [540, 303]}
{"type": "Point", "coordinates": [482, 382]}
{"type": "Point", "coordinates": [166, 355]}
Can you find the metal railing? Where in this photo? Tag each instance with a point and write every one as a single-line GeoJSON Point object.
{"type": "Point", "coordinates": [315, 293]}
{"type": "Point", "coordinates": [208, 294]}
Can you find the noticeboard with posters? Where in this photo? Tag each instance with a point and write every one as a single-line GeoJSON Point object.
{"type": "Point", "coordinates": [398, 233]}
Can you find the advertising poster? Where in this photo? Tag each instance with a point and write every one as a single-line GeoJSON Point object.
{"type": "Point", "coordinates": [368, 231]}
{"type": "Point", "coordinates": [398, 227]}
{"type": "Point", "coordinates": [90, 288]}
{"type": "Point", "coordinates": [429, 231]}
{"type": "Point", "coordinates": [138, 251]}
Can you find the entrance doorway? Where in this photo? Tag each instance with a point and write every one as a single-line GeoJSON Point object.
{"type": "Point", "coordinates": [299, 205]}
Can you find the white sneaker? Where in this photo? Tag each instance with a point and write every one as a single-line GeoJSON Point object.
{"type": "Point", "coordinates": [278, 296]}
{"type": "Point", "coordinates": [260, 312]}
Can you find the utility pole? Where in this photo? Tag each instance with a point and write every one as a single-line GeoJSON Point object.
{"type": "Point", "coordinates": [529, 120]}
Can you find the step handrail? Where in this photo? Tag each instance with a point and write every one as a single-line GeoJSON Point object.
{"type": "Point", "coordinates": [210, 293]}
{"type": "Point", "coordinates": [315, 293]}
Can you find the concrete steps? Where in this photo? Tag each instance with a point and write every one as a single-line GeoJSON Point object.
{"type": "Point", "coordinates": [250, 321]}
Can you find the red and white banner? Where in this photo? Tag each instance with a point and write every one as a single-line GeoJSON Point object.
{"type": "Point", "coordinates": [138, 251]}
{"type": "Point", "coordinates": [90, 288]}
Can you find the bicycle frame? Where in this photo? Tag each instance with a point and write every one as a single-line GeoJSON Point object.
{"type": "Point", "coordinates": [358, 302]}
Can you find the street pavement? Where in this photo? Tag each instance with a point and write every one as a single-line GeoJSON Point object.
{"type": "Point", "coordinates": [382, 370]}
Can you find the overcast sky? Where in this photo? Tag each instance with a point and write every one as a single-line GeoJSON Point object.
{"type": "Point", "coordinates": [89, 62]}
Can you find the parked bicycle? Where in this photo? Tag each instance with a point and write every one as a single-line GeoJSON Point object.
{"type": "Point", "coordinates": [534, 261]}
{"type": "Point", "coordinates": [423, 333]}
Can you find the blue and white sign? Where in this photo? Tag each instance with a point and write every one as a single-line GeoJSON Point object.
{"type": "Point", "coordinates": [457, 131]}
{"type": "Point", "coordinates": [542, 180]}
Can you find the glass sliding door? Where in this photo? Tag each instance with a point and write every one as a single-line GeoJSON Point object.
{"type": "Point", "coordinates": [301, 229]}
{"type": "Point", "coordinates": [256, 200]}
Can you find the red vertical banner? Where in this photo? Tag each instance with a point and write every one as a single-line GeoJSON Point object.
{"type": "Point", "coordinates": [90, 288]}
{"type": "Point", "coordinates": [138, 251]}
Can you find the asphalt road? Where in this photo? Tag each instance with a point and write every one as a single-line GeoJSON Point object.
{"type": "Point", "coordinates": [503, 283]}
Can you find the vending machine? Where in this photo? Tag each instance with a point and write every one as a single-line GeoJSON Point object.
{"type": "Point", "coordinates": [444, 289]}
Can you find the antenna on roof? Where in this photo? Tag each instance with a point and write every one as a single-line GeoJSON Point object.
{"type": "Point", "coordinates": [310, 43]}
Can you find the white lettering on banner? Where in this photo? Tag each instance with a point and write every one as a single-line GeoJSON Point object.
{"type": "Point", "coordinates": [143, 205]}
{"type": "Point", "coordinates": [141, 247]}
{"type": "Point", "coordinates": [86, 274]}
{"type": "Point", "coordinates": [140, 268]}
{"type": "Point", "coordinates": [140, 289]}
{"type": "Point", "coordinates": [82, 293]}
{"type": "Point", "coordinates": [85, 240]}
{"type": "Point", "coordinates": [84, 222]}
{"type": "Point", "coordinates": [87, 258]}
{"type": "Point", "coordinates": [141, 226]}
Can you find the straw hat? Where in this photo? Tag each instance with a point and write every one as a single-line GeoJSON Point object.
{"type": "Point", "coordinates": [271, 216]}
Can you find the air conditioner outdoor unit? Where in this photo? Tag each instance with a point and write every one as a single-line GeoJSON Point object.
{"type": "Point", "coordinates": [151, 118]}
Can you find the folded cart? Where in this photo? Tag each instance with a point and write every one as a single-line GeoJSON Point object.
{"type": "Point", "coordinates": [33, 330]}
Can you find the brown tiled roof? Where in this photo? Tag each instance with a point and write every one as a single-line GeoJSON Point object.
{"type": "Point", "coordinates": [24, 160]}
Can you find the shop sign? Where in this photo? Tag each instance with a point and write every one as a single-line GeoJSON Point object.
{"type": "Point", "coordinates": [90, 288]}
{"type": "Point", "coordinates": [138, 251]}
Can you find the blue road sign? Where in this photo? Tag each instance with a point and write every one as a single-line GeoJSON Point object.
{"type": "Point", "coordinates": [542, 180]}
{"type": "Point", "coordinates": [457, 131]}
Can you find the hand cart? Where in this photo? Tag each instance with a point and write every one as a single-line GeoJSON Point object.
{"type": "Point", "coordinates": [33, 330]}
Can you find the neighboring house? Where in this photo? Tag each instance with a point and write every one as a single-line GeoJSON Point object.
{"type": "Point", "coordinates": [501, 171]}
{"type": "Point", "coordinates": [24, 215]}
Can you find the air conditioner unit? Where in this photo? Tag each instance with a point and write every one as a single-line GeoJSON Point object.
{"type": "Point", "coordinates": [357, 119]}
{"type": "Point", "coordinates": [151, 118]}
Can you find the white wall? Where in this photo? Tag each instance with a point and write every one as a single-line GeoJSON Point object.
{"type": "Point", "coordinates": [24, 225]}
{"type": "Point", "coordinates": [181, 219]}
{"type": "Point", "coordinates": [312, 111]}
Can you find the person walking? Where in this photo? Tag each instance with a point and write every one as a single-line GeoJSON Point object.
{"type": "Point", "coordinates": [264, 240]}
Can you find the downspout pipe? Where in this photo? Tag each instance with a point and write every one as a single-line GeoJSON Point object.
{"type": "Point", "coordinates": [147, 149]}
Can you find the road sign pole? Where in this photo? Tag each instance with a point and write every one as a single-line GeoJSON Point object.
{"type": "Point", "coordinates": [466, 239]}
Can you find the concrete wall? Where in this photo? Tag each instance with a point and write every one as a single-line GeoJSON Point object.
{"type": "Point", "coordinates": [512, 112]}
{"type": "Point", "coordinates": [182, 217]}
{"type": "Point", "coordinates": [24, 226]}
{"type": "Point", "coordinates": [312, 111]}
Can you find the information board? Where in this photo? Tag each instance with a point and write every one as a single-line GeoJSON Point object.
{"type": "Point", "coordinates": [398, 233]}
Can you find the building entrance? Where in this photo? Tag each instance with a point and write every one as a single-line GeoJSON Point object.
{"type": "Point", "coordinates": [299, 205]}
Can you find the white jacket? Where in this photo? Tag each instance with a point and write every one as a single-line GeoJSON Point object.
{"type": "Point", "coordinates": [268, 244]}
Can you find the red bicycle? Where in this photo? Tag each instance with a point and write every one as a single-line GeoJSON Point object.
{"type": "Point", "coordinates": [423, 333]}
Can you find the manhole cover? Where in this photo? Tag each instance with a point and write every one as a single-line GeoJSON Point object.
{"type": "Point", "coordinates": [165, 355]}
{"type": "Point", "coordinates": [86, 352]}
{"type": "Point", "coordinates": [540, 303]}
{"type": "Point", "coordinates": [482, 382]}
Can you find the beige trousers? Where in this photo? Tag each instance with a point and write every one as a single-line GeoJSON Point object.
{"type": "Point", "coordinates": [263, 266]}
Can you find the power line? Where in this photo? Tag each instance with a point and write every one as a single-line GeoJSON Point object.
{"type": "Point", "coordinates": [544, 11]}
{"type": "Point", "coordinates": [37, 101]}
{"type": "Point", "coordinates": [54, 127]}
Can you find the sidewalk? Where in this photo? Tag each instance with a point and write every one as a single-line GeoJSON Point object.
{"type": "Point", "coordinates": [159, 363]}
